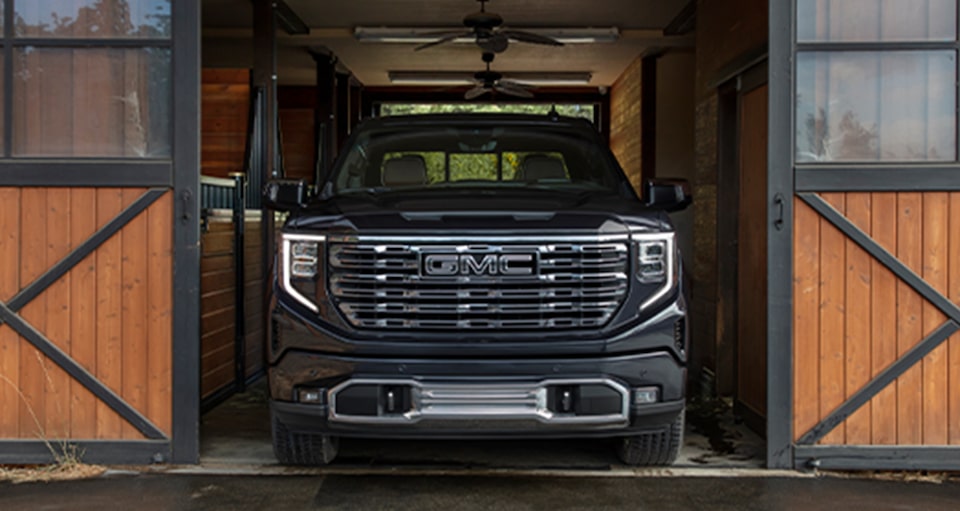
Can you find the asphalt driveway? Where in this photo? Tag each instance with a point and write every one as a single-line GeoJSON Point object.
{"type": "Point", "coordinates": [469, 492]}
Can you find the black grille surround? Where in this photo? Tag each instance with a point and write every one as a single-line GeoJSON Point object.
{"type": "Point", "coordinates": [572, 283]}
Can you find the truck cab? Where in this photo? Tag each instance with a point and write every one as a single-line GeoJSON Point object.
{"type": "Point", "coordinates": [477, 276]}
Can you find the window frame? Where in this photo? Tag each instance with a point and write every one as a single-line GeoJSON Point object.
{"type": "Point", "coordinates": [11, 43]}
{"type": "Point", "coordinates": [806, 169]}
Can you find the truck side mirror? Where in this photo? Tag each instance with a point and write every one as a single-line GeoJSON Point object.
{"type": "Point", "coordinates": [286, 194]}
{"type": "Point", "coordinates": [667, 194]}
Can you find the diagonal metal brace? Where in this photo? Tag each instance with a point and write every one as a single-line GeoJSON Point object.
{"type": "Point", "coordinates": [8, 315]}
{"type": "Point", "coordinates": [880, 382]}
{"type": "Point", "coordinates": [35, 289]}
{"type": "Point", "coordinates": [902, 271]}
{"type": "Point", "coordinates": [81, 375]}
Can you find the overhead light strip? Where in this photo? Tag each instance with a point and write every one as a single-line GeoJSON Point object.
{"type": "Point", "coordinates": [421, 35]}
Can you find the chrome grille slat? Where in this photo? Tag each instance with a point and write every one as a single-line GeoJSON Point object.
{"type": "Point", "coordinates": [379, 286]}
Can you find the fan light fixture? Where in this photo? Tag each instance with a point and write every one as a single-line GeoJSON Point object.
{"type": "Point", "coordinates": [466, 78]}
{"type": "Point", "coordinates": [412, 35]}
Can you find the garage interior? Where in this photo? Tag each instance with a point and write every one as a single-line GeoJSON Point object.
{"type": "Point", "coordinates": [678, 89]}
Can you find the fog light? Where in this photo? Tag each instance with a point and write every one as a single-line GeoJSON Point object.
{"type": "Point", "coordinates": [646, 395]}
{"type": "Point", "coordinates": [310, 396]}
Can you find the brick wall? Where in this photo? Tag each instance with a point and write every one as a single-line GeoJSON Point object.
{"type": "Point", "coordinates": [625, 118]}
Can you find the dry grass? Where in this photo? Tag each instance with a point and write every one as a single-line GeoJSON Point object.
{"type": "Point", "coordinates": [901, 476]}
{"type": "Point", "coordinates": [67, 457]}
{"type": "Point", "coordinates": [50, 473]}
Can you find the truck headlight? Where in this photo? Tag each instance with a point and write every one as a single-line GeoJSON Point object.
{"type": "Point", "coordinates": [300, 267]}
{"type": "Point", "coordinates": [656, 262]}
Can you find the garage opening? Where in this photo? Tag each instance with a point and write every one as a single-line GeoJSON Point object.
{"type": "Point", "coordinates": [643, 90]}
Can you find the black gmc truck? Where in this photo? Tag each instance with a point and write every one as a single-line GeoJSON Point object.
{"type": "Point", "coordinates": [477, 276]}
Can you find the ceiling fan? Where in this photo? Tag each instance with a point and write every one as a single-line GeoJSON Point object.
{"type": "Point", "coordinates": [487, 28]}
{"type": "Point", "coordinates": [491, 81]}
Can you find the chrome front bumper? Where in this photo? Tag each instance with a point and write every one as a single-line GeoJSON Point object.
{"type": "Point", "coordinates": [548, 401]}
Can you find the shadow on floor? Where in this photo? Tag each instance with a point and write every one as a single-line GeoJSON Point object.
{"type": "Point", "coordinates": [238, 433]}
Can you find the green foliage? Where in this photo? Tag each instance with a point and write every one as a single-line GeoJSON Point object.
{"type": "Point", "coordinates": [580, 111]}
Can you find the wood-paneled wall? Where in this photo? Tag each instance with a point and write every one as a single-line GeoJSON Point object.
{"type": "Point", "coordinates": [217, 307]}
{"type": "Point", "coordinates": [112, 313]}
{"type": "Point", "coordinates": [218, 304]}
{"type": "Point", "coordinates": [853, 318]}
{"type": "Point", "coordinates": [253, 257]}
{"type": "Point", "coordinates": [225, 107]}
{"type": "Point", "coordinates": [299, 142]}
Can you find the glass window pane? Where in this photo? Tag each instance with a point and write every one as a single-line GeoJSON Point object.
{"type": "Point", "coordinates": [876, 106]}
{"type": "Point", "coordinates": [92, 18]}
{"type": "Point", "coordinates": [92, 102]}
{"type": "Point", "coordinates": [876, 20]}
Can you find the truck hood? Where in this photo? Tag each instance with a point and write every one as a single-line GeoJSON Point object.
{"type": "Point", "coordinates": [480, 209]}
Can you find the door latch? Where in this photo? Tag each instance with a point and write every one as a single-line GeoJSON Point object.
{"type": "Point", "coordinates": [778, 201]}
{"type": "Point", "coordinates": [185, 198]}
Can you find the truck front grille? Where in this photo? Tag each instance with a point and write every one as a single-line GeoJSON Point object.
{"type": "Point", "coordinates": [475, 286]}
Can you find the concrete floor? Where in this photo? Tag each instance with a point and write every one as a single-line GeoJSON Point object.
{"type": "Point", "coordinates": [401, 492]}
{"type": "Point", "coordinates": [237, 433]}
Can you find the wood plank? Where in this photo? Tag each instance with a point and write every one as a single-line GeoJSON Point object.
{"type": "Point", "coordinates": [58, 417]}
{"type": "Point", "coordinates": [33, 262]}
{"type": "Point", "coordinates": [884, 318]}
{"type": "Point", "coordinates": [832, 318]}
{"type": "Point", "coordinates": [806, 318]}
{"type": "Point", "coordinates": [934, 366]}
{"type": "Point", "coordinates": [858, 320]}
{"type": "Point", "coordinates": [225, 97]}
{"type": "Point", "coordinates": [214, 263]}
{"type": "Point", "coordinates": [221, 75]}
{"type": "Point", "coordinates": [752, 259]}
{"type": "Point", "coordinates": [219, 281]}
{"type": "Point", "coordinates": [216, 380]}
{"type": "Point", "coordinates": [299, 142]}
{"type": "Point", "coordinates": [953, 346]}
{"type": "Point", "coordinates": [221, 352]}
{"type": "Point", "coordinates": [109, 313]}
{"type": "Point", "coordinates": [214, 301]}
{"type": "Point", "coordinates": [217, 320]}
{"type": "Point", "coordinates": [160, 313]}
{"type": "Point", "coordinates": [215, 243]}
{"type": "Point", "coordinates": [10, 344]}
{"type": "Point", "coordinates": [83, 311]}
{"type": "Point", "coordinates": [909, 316]}
{"type": "Point", "coordinates": [134, 328]}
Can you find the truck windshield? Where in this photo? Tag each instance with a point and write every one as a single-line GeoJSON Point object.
{"type": "Point", "coordinates": [470, 157]}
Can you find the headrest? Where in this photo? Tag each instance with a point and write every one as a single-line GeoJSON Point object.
{"type": "Point", "coordinates": [408, 170]}
{"type": "Point", "coordinates": [538, 166]}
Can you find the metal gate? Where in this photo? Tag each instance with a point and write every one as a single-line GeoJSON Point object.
{"type": "Point", "coordinates": [99, 233]}
{"type": "Point", "coordinates": [864, 238]}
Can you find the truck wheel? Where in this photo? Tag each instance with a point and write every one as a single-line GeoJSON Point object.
{"type": "Point", "coordinates": [659, 448]}
{"type": "Point", "coordinates": [295, 448]}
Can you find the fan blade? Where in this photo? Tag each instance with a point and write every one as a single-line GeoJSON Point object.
{"type": "Point", "coordinates": [516, 84]}
{"type": "Point", "coordinates": [476, 92]}
{"type": "Point", "coordinates": [450, 36]}
{"type": "Point", "coordinates": [529, 37]}
{"type": "Point", "coordinates": [511, 90]}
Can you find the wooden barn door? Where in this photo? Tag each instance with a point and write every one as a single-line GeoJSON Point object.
{"type": "Point", "coordinates": [869, 202]}
{"type": "Point", "coordinates": [98, 233]}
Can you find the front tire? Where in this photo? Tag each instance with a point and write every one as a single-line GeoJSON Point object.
{"type": "Point", "coordinates": [658, 448]}
{"type": "Point", "coordinates": [297, 448]}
